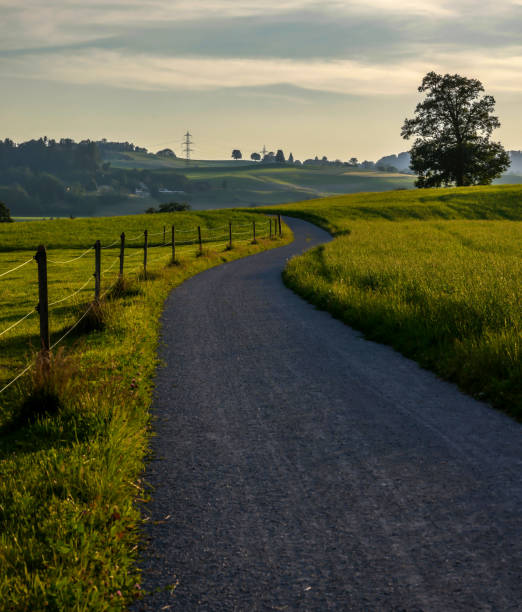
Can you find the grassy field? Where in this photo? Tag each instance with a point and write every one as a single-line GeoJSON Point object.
{"type": "Point", "coordinates": [220, 184]}
{"type": "Point", "coordinates": [338, 213]}
{"type": "Point", "coordinates": [70, 479]}
{"type": "Point", "coordinates": [435, 273]}
{"type": "Point", "coordinates": [257, 185]}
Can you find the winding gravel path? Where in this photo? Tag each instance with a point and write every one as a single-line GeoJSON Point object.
{"type": "Point", "coordinates": [298, 466]}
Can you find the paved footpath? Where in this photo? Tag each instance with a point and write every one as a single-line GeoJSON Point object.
{"type": "Point", "coordinates": [298, 466]}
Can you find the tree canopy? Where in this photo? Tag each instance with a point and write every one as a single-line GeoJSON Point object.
{"type": "Point", "coordinates": [236, 154]}
{"type": "Point", "coordinates": [280, 156]}
{"type": "Point", "coordinates": [453, 125]}
{"type": "Point", "coordinates": [5, 213]}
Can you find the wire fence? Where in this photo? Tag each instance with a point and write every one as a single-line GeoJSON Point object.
{"type": "Point", "coordinates": [184, 242]}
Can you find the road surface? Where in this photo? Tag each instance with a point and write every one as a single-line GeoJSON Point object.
{"type": "Point", "coordinates": [298, 466]}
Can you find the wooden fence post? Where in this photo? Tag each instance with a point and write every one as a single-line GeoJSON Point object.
{"type": "Point", "coordinates": [97, 270]}
{"type": "Point", "coordinates": [164, 229]}
{"type": "Point", "coordinates": [279, 221]}
{"type": "Point", "coordinates": [43, 300]}
{"type": "Point", "coordinates": [254, 241]}
{"type": "Point", "coordinates": [122, 252]}
{"type": "Point", "coordinates": [145, 248]}
{"type": "Point", "coordinates": [200, 243]}
{"type": "Point", "coordinates": [230, 234]}
{"type": "Point", "coordinates": [270, 220]}
{"type": "Point", "coordinates": [173, 230]}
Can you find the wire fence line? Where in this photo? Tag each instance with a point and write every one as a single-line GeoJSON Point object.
{"type": "Point", "coordinates": [135, 238]}
{"type": "Point", "coordinates": [109, 246]}
{"type": "Point", "coordinates": [111, 267]}
{"type": "Point", "coordinates": [18, 322]}
{"type": "Point", "coordinates": [217, 236]}
{"type": "Point", "coordinates": [17, 267]}
{"type": "Point", "coordinates": [71, 295]}
{"type": "Point", "coordinates": [68, 261]}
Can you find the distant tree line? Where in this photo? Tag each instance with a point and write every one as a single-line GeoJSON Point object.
{"type": "Point", "coordinates": [390, 163]}
{"type": "Point", "coordinates": [52, 156]}
{"type": "Point", "coordinates": [105, 145]}
{"type": "Point", "coordinates": [49, 177]}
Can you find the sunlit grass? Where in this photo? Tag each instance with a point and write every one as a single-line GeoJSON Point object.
{"type": "Point", "coordinates": [337, 213]}
{"type": "Point", "coordinates": [446, 293]}
{"type": "Point", "coordinates": [69, 481]}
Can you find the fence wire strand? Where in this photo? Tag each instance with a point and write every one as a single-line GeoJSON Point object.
{"type": "Point", "coordinates": [73, 327]}
{"type": "Point", "coordinates": [18, 322]}
{"type": "Point", "coordinates": [17, 267]}
{"type": "Point", "coordinates": [110, 267]}
{"type": "Point", "coordinates": [71, 295]}
{"type": "Point", "coordinates": [68, 261]}
{"type": "Point", "coordinates": [109, 246]}
{"type": "Point", "coordinates": [17, 377]}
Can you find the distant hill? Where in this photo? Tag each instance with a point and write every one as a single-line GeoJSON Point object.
{"type": "Point", "coordinates": [44, 178]}
{"type": "Point", "coordinates": [401, 162]}
{"type": "Point", "coordinates": [516, 162]}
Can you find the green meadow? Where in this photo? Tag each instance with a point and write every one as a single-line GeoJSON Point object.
{"type": "Point", "coordinates": [435, 273]}
{"type": "Point", "coordinates": [224, 184]}
{"type": "Point", "coordinates": [70, 478]}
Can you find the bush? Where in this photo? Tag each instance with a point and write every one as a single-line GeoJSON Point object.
{"type": "Point", "coordinates": [173, 207]}
{"type": "Point", "coordinates": [5, 214]}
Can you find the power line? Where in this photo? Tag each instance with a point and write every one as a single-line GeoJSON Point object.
{"type": "Point", "coordinates": [186, 144]}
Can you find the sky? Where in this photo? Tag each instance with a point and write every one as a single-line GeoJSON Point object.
{"type": "Point", "coordinates": [334, 78]}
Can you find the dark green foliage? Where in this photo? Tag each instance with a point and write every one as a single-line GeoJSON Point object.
{"type": "Point", "coordinates": [453, 126]}
{"type": "Point", "coordinates": [5, 215]}
{"type": "Point", "coordinates": [169, 207]}
{"type": "Point", "coordinates": [173, 207]}
{"type": "Point", "coordinates": [49, 178]}
{"type": "Point", "coordinates": [236, 154]}
{"type": "Point", "coordinates": [280, 156]}
{"type": "Point", "coordinates": [166, 153]}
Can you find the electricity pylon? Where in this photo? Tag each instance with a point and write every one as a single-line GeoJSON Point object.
{"type": "Point", "coordinates": [187, 149]}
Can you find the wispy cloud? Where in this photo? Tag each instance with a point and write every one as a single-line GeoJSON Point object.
{"type": "Point", "coordinates": [499, 72]}
{"type": "Point", "coordinates": [35, 23]}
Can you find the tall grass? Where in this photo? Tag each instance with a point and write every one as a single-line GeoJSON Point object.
{"type": "Point", "coordinates": [338, 213]}
{"type": "Point", "coordinates": [70, 476]}
{"type": "Point", "coordinates": [445, 293]}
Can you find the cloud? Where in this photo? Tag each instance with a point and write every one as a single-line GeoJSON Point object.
{"type": "Point", "coordinates": [37, 23]}
{"type": "Point", "coordinates": [142, 72]}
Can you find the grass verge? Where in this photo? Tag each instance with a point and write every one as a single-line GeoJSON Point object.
{"type": "Point", "coordinates": [435, 273]}
{"type": "Point", "coordinates": [70, 475]}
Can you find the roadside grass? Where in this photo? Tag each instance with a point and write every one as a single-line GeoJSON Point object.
{"type": "Point", "coordinates": [336, 214]}
{"type": "Point", "coordinates": [70, 479]}
{"type": "Point", "coordinates": [435, 273]}
{"type": "Point", "coordinates": [81, 233]}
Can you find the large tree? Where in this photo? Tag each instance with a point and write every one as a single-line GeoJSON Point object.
{"type": "Point", "coordinates": [236, 154]}
{"type": "Point", "coordinates": [453, 126]}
